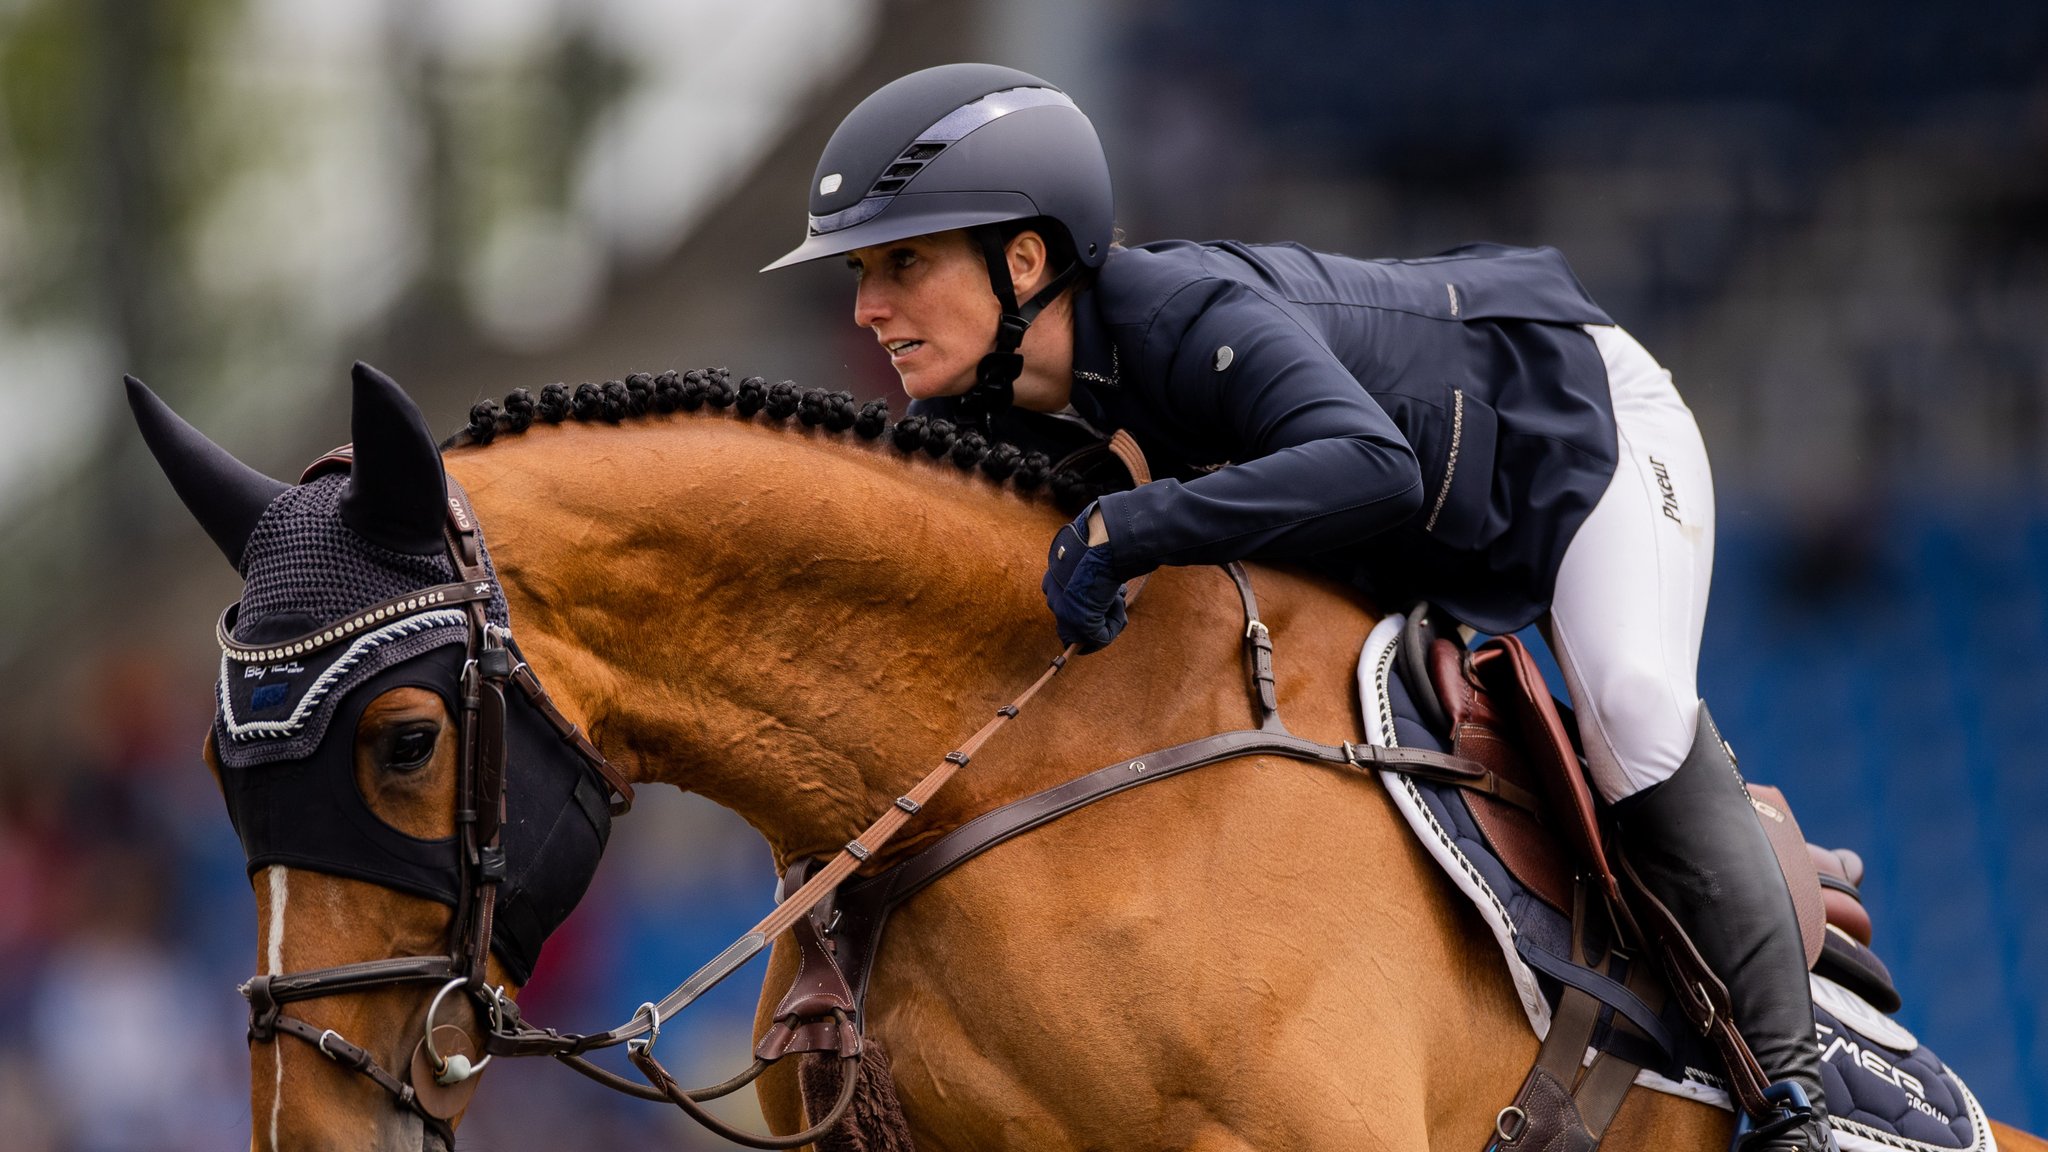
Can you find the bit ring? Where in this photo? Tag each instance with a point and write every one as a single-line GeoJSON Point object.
{"type": "Point", "coordinates": [442, 1063]}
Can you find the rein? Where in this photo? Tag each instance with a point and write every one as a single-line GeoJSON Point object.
{"type": "Point", "coordinates": [821, 1012]}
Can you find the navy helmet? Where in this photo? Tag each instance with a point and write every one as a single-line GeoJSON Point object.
{"type": "Point", "coordinates": [958, 146]}
{"type": "Point", "coordinates": [971, 146]}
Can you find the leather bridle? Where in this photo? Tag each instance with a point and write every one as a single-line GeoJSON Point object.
{"type": "Point", "coordinates": [492, 668]}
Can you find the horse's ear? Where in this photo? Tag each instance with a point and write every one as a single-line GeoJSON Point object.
{"type": "Point", "coordinates": [225, 495]}
{"type": "Point", "coordinates": [397, 494]}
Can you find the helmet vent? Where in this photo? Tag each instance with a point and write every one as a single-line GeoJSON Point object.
{"type": "Point", "coordinates": [907, 165]}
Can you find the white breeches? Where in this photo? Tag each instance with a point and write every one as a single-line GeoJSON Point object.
{"type": "Point", "coordinates": [1631, 596]}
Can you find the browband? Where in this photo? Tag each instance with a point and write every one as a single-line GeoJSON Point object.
{"type": "Point", "coordinates": [439, 596]}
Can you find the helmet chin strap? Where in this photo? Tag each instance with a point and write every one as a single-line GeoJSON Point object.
{"type": "Point", "coordinates": [995, 378]}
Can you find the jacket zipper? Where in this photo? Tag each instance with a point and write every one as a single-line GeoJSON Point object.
{"type": "Point", "coordinates": [1451, 462]}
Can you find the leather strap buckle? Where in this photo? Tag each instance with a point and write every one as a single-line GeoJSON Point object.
{"type": "Point", "coordinates": [263, 1007]}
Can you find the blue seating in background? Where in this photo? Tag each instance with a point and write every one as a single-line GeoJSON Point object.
{"type": "Point", "coordinates": [1902, 717]}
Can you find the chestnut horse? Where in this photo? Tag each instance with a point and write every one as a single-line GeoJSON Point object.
{"type": "Point", "coordinates": [796, 624]}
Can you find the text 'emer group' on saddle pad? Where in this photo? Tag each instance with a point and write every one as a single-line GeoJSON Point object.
{"type": "Point", "coordinates": [1886, 1091]}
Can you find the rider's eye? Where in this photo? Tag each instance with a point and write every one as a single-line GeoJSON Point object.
{"type": "Point", "coordinates": [411, 749]}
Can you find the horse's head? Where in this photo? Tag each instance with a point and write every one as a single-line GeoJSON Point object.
{"type": "Point", "coordinates": [416, 822]}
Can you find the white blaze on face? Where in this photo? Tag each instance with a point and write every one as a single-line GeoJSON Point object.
{"type": "Point", "coordinates": [274, 965]}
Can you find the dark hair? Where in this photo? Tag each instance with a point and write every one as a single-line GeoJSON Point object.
{"type": "Point", "coordinates": [1072, 482]}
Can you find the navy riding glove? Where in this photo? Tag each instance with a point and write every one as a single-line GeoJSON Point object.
{"type": "Point", "coordinates": [1086, 599]}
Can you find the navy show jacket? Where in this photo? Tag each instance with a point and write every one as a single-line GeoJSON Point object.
{"type": "Point", "coordinates": [1418, 428]}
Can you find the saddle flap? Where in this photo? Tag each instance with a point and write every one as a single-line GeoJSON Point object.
{"type": "Point", "coordinates": [1510, 673]}
{"type": "Point", "coordinates": [1775, 814]}
{"type": "Point", "coordinates": [1479, 732]}
{"type": "Point", "coordinates": [1502, 714]}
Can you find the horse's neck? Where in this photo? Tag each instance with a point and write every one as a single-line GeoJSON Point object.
{"type": "Point", "coordinates": [799, 630]}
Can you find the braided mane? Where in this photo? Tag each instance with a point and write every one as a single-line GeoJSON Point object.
{"type": "Point", "coordinates": [1070, 484]}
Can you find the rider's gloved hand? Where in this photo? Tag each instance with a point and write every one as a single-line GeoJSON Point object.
{"type": "Point", "coordinates": [1086, 598]}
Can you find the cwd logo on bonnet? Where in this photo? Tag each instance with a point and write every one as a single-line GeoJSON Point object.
{"type": "Point", "coordinates": [276, 693]}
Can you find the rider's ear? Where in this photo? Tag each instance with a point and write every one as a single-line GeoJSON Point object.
{"type": "Point", "coordinates": [225, 495]}
{"type": "Point", "coordinates": [397, 494]}
{"type": "Point", "coordinates": [1028, 259]}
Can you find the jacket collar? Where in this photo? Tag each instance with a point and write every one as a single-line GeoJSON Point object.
{"type": "Point", "coordinates": [1096, 363]}
{"type": "Point", "coordinates": [1098, 371]}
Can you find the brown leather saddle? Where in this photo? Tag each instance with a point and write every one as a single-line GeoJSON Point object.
{"type": "Point", "coordinates": [1498, 712]}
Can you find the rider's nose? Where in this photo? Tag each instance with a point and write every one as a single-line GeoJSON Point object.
{"type": "Point", "coordinates": [870, 304]}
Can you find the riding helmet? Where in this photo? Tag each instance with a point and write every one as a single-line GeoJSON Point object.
{"type": "Point", "coordinates": [958, 146]}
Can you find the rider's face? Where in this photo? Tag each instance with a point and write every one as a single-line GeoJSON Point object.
{"type": "Point", "coordinates": [928, 301]}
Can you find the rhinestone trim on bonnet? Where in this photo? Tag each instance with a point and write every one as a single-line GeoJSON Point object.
{"type": "Point", "coordinates": [311, 583]}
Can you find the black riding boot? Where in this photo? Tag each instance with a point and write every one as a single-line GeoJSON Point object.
{"type": "Point", "coordinates": [1695, 842]}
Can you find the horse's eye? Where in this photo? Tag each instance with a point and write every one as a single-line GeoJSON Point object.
{"type": "Point", "coordinates": [411, 749]}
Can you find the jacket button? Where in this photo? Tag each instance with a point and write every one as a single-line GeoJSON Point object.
{"type": "Point", "coordinates": [1223, 357]}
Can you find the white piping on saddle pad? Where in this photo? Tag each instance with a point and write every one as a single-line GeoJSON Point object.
{"type": "Point", "coordinates": [1854, 1137]}
{"type": "Point", "coordinates": [1852, 1010]}
{"type": "Point", "coordinates": [1375, 665]}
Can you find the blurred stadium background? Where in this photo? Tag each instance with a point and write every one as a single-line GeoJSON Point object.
{"type": "Point", "coordinates": [1829, 219]}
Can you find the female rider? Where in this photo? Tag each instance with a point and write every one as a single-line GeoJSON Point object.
{"type": "Point", "coordinates": [1471, 429]}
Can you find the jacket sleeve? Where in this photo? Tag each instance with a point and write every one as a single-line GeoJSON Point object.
{"type": "Point", "coordinates": [1316, 462]}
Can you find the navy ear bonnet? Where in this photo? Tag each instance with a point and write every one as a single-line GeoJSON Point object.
{"type": "Point", "coordinates": [285, 728]}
